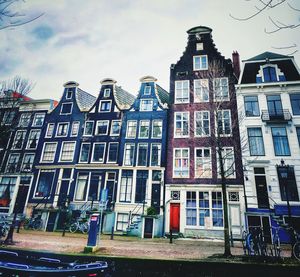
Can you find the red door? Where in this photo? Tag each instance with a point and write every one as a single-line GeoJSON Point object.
{"type": "Point", "coordinates": [174, 217]}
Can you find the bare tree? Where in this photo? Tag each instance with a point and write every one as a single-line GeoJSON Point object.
{"type": "Point", "coordinates": [10, 18]}
{"type": "Point", "coordinates": [263, 7]}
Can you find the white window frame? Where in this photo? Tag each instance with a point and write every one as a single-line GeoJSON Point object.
{"type": "Point", "coordinates": [62, 148]}
{"type": "Point", "coordinates": [221, 98]}
{"type": "Point", "coordinates": [27, 116]}
{"type": "Point", "coordinates": [50, 125]}
{"type": "Point", "coordinates": [22, 165]}
{"type": "Point", "coordinates": [66, 103]}
{"type": "Point", "coordinates": [15, 140]}
{"type": "Point", "coordinates": [206, 164]}
{"type": "Point", "coordinates": [138, 154]}
{"type": "Point", "coordinates": [69, 90]}
{"type": "Point", "coordinates": [202, 87]}
{"type": "Point", "coordinates": [87, 186]}
{"type": "Point", "coordinates": [124, 156]}
{"type": "Point", "coordinates": [87, 143]}
{"type": "Point", "coordinates": [43, 152]}
{"type": "Point", "coordinates": [109, 144]}
{"type": "Point", "coordinates": [16, 163]}
{"type": "Point", "coordinates": [129, 121]}
{"type": "Point", "coordinates": [195, 123]}
{"type": "Point", "coordinates": [103, 111]}
{"type": "Point", "coordinates": [34, 118]}
{"type": "Point", "coordinates": [188, 159]}
{"type": "Point", "coordinates": [226, 166]}
{"type": "Point", "coordinates": [201, 64]}
{"type": "Point", "coordinates": [147, 90]}
{"type": "Point", "coordinates": [38, 179]}
{"type": "Point", "coordinates": [157, 120]}
{"type": "Point", "coordinates": [180, 91]}
{"type": "Point", "coordinates": [103, 157]}
{"type": "Point", "coordinates": [111, 127]}
{"type": "Point", "coordinates": [159, 154]}
{"type": "Point", "coordinates": [107, 127]}
{"type": "Point", "coordinates": [77, 130]}
{"type": "Point", "coordinates": [140, 124]}
{"type": "Point", "coordinates": [31, 131]}
{"type": "Point", "coordinates": [57, 127]}
{"type": "Point", "coordinates": [188, 123]}
{"type": "Point", "coordinates": [143, 106]}
{"type": "Point", "coordinates": [84, 131]}
{"type": "Point", "coordinates": [106, 93]}
{"type": "Point", "coordinates": [223, 123]}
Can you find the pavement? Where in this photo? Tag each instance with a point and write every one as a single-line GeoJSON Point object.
{"type": "Point", "coordinates": [123, 246]}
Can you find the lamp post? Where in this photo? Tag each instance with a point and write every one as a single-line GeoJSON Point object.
{"type": "Point", "coordinates": [283, 172]}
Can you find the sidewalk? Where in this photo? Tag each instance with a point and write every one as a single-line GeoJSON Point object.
{"type": "Point", "coordinates": [186, 249]}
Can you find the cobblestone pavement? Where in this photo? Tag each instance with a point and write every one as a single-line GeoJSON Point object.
{"type": "Point", "coordinates": [188, 249]}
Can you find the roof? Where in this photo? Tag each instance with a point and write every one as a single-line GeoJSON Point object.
{"type": "Point", "coordinates": [162, 94]}
{"type": "Point", "coordinates": [268, 55]}
{"type": "Point", "coordinates": [84, 99]}
{"type": "Point", "coordinates": [123, 98]}
{"type": "Point", "coordinates": [199, 30]}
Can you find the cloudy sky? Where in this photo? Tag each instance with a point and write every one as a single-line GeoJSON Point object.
{"type": "Point", "coordinates": [87, 41]}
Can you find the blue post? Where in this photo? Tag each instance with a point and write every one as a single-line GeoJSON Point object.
{"type": "Point", "coordinates": [93, 232]}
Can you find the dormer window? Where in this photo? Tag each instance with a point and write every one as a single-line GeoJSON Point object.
{"type": "Point", "coordinates": [269, 73]}
{"type": "Point", "coordinates": [106, 93]}
{"type": "Point", "coordinates": [147, 90]}
{"type": "Point", "coordinates": [69, 94]}
{"type": "Point", "coordinates": [146, 105]}
{"type": "Point", "coordinates": [105, 106]}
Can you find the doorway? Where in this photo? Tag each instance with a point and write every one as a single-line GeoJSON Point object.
{"type": "Point", "coordinates": [175, 217]}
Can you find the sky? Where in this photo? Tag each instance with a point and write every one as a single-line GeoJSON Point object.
{"type": "Point", "coordinates": [87, 41]}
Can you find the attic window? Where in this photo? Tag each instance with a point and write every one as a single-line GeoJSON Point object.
{"type": "Point", "coordinates": [106, 93]}
{"type": "Point", "coordinates": [69, 94]}
{"type": "Point", "coordinates": [147, 90]}
{"type": "Point", "coordinates": [269, 73]}
{"type": "Point", "coordinates": [199, 46]}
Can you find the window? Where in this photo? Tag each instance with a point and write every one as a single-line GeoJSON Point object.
{"type": "Point", "coordinates": [27, 162]}
{"type": "Point", "coordinates": [81, 187]}
{"type": "Point", "coordinates": [251, 106]}
{"type": "Point", "coordinates": [113, 149]}
{"type": "Point", "coordinates": [12, 163]}
{"type": "Point", "coordinates": [115, 128]}
{"type": "Point", "coordinates": [101, 127]}
{"type": "Point", "coordinates": [38, 120]}
{"type": "Point", "coordinates": [62, 129]}
{"type": "Point", "coordinates": [295, 102]}
{"type": "Point", "coordinates": [24, 119]}
{"type": "Point", "coordinates": [110, 184]}
{"type": "Point", "coordinates": [182, 92]}
{"type": "Point", "coordinates": [33, 139]}
{"type": "Point", "coordinates": [274, 105]}
{"type": "Point", "coordinates": [156, 128]}
{"type": "Point", "coordinates": [50, 129]}
{"type": "Point", "coordinates": [49, 152]}
{"type": "Point", "coordinates": [129, 154]}
{"type": "Point", "coordinates": [270, 74]}
{"type": "Point", "coordinates": [280, 140]}
{"type": "Point", "coordinates": [84, 152]}
{"type": "Point", "coordinates": [75, 129]}
{"type": "Point", "coordinates": [202, 124]}
{"type": "Point", "coordinates": [290, 182]}
{"type": "Point", "coordinates": [45, 183]}
{"type": "Point", "coordinates": [256, 143]}
{"type": "Point", "coordinates": [98, 152]}
{"type": "Point", "coordinates": [122, 222]}
{"type": "Point", "coordinates": [131, 129]}
{"type": "Point", "coordinates": [8, 117]}
{"type": "Point", "coordinates": [204, 212]}
{"type": "Point", "coordinates": [147, 90]}
{"type": "Point", "coordinates": [142, 154]}
{"type": "Point", "coordinates": [66, 108]}
{"type": "Point", "coordinates": [181, 124]}
{"type": "Point", "coordinates": [144, 129]}
{"type": "Point", "coordinates": [201, 90]}
{"type": "Point", "coordinates": [106, 93]}
{"type": "Point", "coordinates": [69, 93]}
{"type": "Point", "coordinates": [141, 186]}
{"type": "Point", "coordinates": [7, 187]}
{"type": "Point", "coordinates": [146, 105]}
{"type": "Point", "coordinates": [88, 128]}
{"type": "Point", "coordinates": [200, 62]}
{"type": "Point", "coordinates": [217, 209]}
{"type": "Point", "coordinates": [126, 186]}
{"type": "Point", "coordinates": [228, 162]}
{"type": "Point", "coordinates": [155, 154]}
{"type": "Point", "coordinates": [298, 134]}
{"type": "Point", "coordinates": [67, 151]}
{"type": "Point", "coordinates": [19, 140]}
{"type": "Point", "coordinates": [181, 163]}
{"type": "Point", "coordinates": [105, 106]}
{"type": "Point", "coordinates": [191, 208]}
{"type": "Point", "coordinates": [221, 89]}
{"type": "Point", "coordinates": [203, 166]}
{"type": "Point", "coordinates": [224, 123]}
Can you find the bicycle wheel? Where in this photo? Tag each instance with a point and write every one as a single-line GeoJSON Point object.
{"type": "Point", "coordinates": [296, 250]}
{"type": "Point", "coordinates": [85, 227]}
{"type": "Point", "coordinates": [249, 244]}
{"type": "Point", "coordinates": [276, 245]}
{"type": "Point", "coordinates": [73, 227]}
{"type": "Point", "coordinates": [37, 224]}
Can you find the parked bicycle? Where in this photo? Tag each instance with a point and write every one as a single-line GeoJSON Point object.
{"type": "Point", "coordinates": [296, 247]}
{"type": "Point", "coordinates": [254, 242]}
{"type": "Point", "coordinates": [33, 223]}
{"type": "Point", "coordinates": [4, 226]}
{"type": "Point", "coordinates": [79, 226]}
{"type": "Point", "coordinates": [275, 249]}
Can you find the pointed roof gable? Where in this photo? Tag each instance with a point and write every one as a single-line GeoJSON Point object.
{"type": "Point", "coordinates": [84, 100]}
{"type": "Point", "coordinates": [268, 55]}
{"type": "Point", "coordinates": [123, 98]}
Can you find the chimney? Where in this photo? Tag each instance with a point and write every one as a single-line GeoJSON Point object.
{"type": "Point", "coordinates": [236, 63]}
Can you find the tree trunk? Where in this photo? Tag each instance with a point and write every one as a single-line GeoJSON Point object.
{"type": "Point", "coordinates": [9, 238]}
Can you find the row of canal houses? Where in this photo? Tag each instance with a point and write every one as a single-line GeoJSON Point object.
{"type": "Point", "coordinates": [151, 162]}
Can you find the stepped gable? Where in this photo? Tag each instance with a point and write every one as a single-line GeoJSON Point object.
{"type": "Point", "coordinates": [285, 64]}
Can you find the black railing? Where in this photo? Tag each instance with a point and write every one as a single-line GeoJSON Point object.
{"type": "Point", "coordinates": [276, 116]}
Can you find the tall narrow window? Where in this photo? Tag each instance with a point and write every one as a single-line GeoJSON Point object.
{"type": "Point", "coordinates": [19, 140]}
{"type": "Point", "coordinates": [84, 152]}
{"type": "Point", "coordinates": [221, 90]}
{"type": "Point", "coordinates": [81, 187]}
{"type": "Point", "coordinates": [298, 134]}
{"type": "Point", "coordinates": [200, 62]}
{"type": "Point", "coordinates": [228, 162]}
{"type": "Point", "coordinates": [147, 90]}
{"type": "Point", "coordinates": [217, 209]}
{"type": "Point", "coordinates": [280, 141]}
{"type": "Point", "coordinates": [102, 127]}
{"type": "Point", "coordinates": [142, 154]}
{"type": "Point", "coordinates": [256, 143]}
{"type": "Point", "coordinates": [144, 129]}
{"type": "Point", "coordinates": [288, 186]}
{"type": "Point", "coordinates": [131, 129]}
{"type": "Point", "coordinates": [50, 130]}
{"type": "Point", "coordinates": [27, 162]}
{"type": "Point", "coordinates": [45, 183]}
{"type": "Point", "coordinates": [191, 208]}
{"type": "Point", "coordinates": [295, 102]}
{"type": "Point", "coordinates": [270, 74]}
{"type": "Point", "coordinates": [181, 163]}
{"type": "Point", "coordinates": [33, 139]}
{"type": "Point", "coordinates": [141, 186]}
{"type": "Point", "coordinates": [113, 152]}
{"type": "Point", "coordinates": [204, 214]}
{"type": "Point", "coordinates": [106, 93]}
{"type": "Point", "coordinates": [12, 163]}
{"type": "Point", "coordinates": [156, 128]}
{"type": "Point", "coordinates": [62, 129]}
{"type": "Point", "coordinates": [126, 186]}
{"type": "Point", "coordinates": [182, 92]}
{"type": "Point", "coordinates": [202, 124]}
{"type": "Point", "coordinates": [75, 128]}
{"type": "Point", "coordinates": [201, 90]}
{"type": "Point", "coordinates": [274, 105]}
{"type": "Point", "coordinates": [98, 152]}
{"type": "Point", "coordinates": [203, 166]}
{"type": "Point", "coordinates": [67, 151]}
{"type": "Point", "coordinates": [181, 124]}
{"type": "Point", "coordinates": [129, 154]}
{"type": "Point", "coordinates": [155, 154]}
{"type": "Point", "coordinates": [251, 106]}
{"type": "Point", "coordinates": [24, 119]}
{"type": "Point", "coordinates": [88, 128]}
{"type": "Point", "coordinates": [224, 123]}
{"type": "Point", "coordinates": [49, 152]}
{"type": "Point", "coordinates": [115, 128]}
{"type": "Point", "coordinates": [38, 120]}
